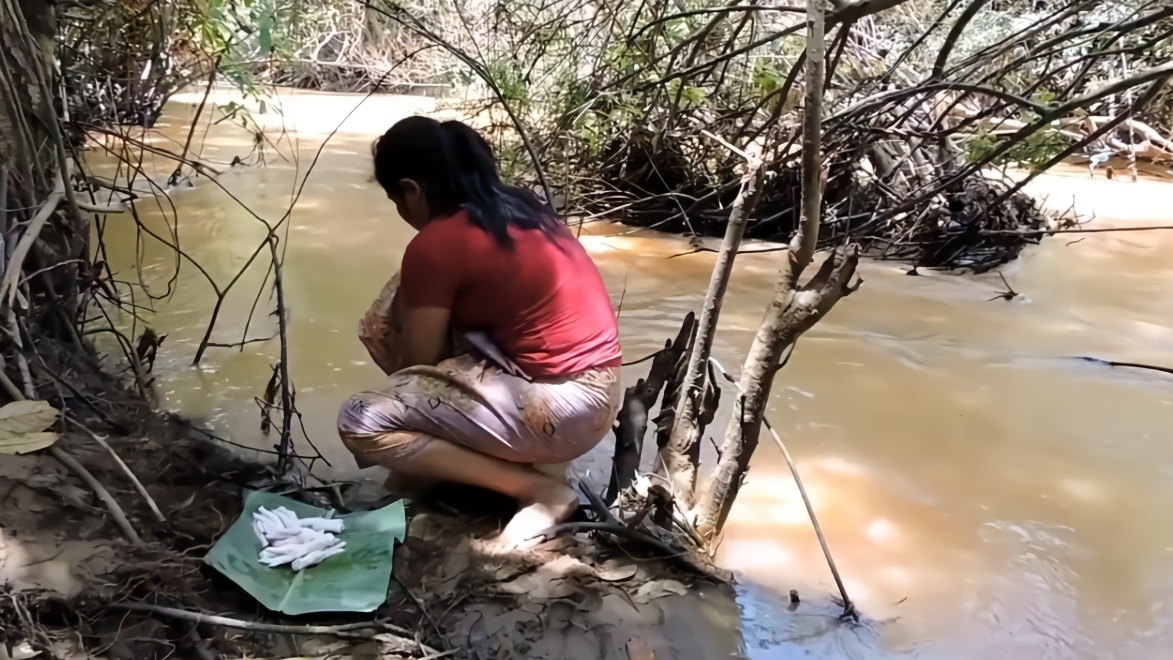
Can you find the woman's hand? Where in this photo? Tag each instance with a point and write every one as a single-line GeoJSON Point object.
{"type": "Point", "coordinates": [425, 336]}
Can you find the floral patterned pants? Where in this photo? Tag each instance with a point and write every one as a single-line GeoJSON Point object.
{"type": "Point", "coordinates": [478, 399]}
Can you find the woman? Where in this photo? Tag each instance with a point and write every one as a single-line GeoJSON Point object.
{"type": "Point", "coordinates": [501, 344]}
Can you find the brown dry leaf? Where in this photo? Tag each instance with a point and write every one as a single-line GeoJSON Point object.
{"type": "Point", "coordinates": [532, 608]}
{"type": "Point", "coordinates": [638, 649]}
{"type": "Point", "coordinates": [26, 443]}
{"type": "Point", "coordinates": [478, 640]}
{"type": "Point", "coordinates": [558, 616]}
{"type": "Point", "coordinates": [427, 527]}
{"type": "Point", "coordinates": [269, 399]}
{"type": "Point", "coordinates": [614, 570]}
{"type": "Point", "coordinates": [550, 581]}
{"type": "Point", "coordinates": [21, 417]}
{"type": "Point", "coordinates": [21, 497]}
{"type": "Point", "coordinates": [658, 589]}
{"type": "Point", "coordinates": [184, 504]}
{"type": "Point", "coordinates": [67, 567]}
{"type": "Point", "coordinates": [18, 468]}
{"type": "Point", "coordinates": [541, 586]}
{"type": "Point", "coordinates": [455, 564]}
{"type": "Point", "coordinates": [507, 621]}
{"type": "Point", "coordinates": [22, 424]}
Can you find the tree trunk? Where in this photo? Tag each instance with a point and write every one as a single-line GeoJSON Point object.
{"type": "Point", "coordinates": [680, 456]}
{"type": "Point", "coordinates": [792, 310]}
{"type": "Point", "coordinates": [33, 149]}
{"type": "Point", "coordinates": [23, 136]}
{"type": "Point", "coordinates": [791, 313]}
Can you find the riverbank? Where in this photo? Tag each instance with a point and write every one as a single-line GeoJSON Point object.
{"type": "Point", "coordinates": [80, 584]}
{"type": "Point", "coordinates": [67, 562]}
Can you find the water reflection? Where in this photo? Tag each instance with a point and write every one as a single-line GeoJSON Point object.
{"type": "Point", "coordinates": [985, 493]}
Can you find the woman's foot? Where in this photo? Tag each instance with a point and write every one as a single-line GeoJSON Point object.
{"type": "Point", "coordinates": [549, 503]}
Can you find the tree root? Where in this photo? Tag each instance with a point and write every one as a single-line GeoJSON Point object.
{"type": "Point", "coordinates": [684, 557]}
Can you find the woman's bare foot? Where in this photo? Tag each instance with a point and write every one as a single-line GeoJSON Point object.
{"type": "Point", "coordinates": [549, 504]}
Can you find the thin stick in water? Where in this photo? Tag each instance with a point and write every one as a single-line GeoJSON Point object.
{"type": "Point", "coordinates": [848, 606]}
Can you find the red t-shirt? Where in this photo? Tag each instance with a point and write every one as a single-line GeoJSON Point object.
{"type": "Point", "coordinates": [543, 303]}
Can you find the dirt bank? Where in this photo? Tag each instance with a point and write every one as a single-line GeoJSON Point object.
{"type": "Point", "coordinates": [76, 586]}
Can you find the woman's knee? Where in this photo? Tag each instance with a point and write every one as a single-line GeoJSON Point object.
{"type": "Point", "coordinates": [362, 415]}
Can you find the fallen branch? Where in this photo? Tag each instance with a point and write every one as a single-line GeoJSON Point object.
{"type": "Point", "coordinates": [632, 423]}
{"type": "Point", "coordinates": [362, 630]}
{"type": "Point", "coordinates": [1130, 365]}
{"type": "Point", "coordinates": [111, 504]}
{"type": "Point", "coordinates": [607, 522]}
{"type": "Point", "coordinates": [101, 210]}
{"type": "Point", "coordinates": [138, 485]}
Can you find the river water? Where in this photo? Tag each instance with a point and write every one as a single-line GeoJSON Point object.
{"type": "Point", "coordinates": [986, 493]}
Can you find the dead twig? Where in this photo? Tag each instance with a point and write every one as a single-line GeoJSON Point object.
{"type": "Point", "coordinates": [1129, 365]}
{"type": "Point", "coordinates": [138, 485]}
{"type": "Point", "coordinates": [362, 630]}
{"type": "Point", "coordinates": [1008, 294]}
{"type": "Point", "coordinates": [849, 611]}
{"type": "Point", "coordinates": [111, 505]}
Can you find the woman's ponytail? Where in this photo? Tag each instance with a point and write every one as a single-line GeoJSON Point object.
{"type": "Point", "coordinates": [491, 203]}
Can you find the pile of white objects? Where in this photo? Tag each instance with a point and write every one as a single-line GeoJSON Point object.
{"type": "Point", "coordinates": [300, 542]}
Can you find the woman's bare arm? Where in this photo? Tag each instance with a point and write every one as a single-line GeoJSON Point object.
{"type": "Point", "coordinates": [426, 336]}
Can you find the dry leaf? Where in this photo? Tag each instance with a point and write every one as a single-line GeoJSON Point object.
{"type": "Point", "coordinates": [541, 586]}
{"type": "Point", "coordinates": [638, 649]}
{"type": "Point", "coordinates": [455, 564]}
{"type": "Point", "coordinates": [27, 442]}
{"type": "Point", "coordinates": [184, 504]}
{"type": "Point", "coordinates": [507, 621]}
{"type": "Point", "coordinates": [558, 616]}
{"type": "Point", "coordinates": [18, 469]}
{"type": "Point", "coordinates": [478, 640]}
{"type": "Point", "coordinates": [658, 589]}
{"type": "Point", "coordinates": [21, 497]}
{"type": "Point", "coordinates": [614, 570]}
{"type": "Point", "coordinates": [23, 651]}
{"type": "Point", "coordinates": [269, 398]}
{"type": "Point", "coordinates": [21, 417]}
{"type": "Point", "coordinates": [550, 581]}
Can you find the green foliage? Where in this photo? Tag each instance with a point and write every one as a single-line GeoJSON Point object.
{"type": "Point", "coordinates": [1033, 152]}
{"type": "Point", "coordinates": [509, 79]}
{"type": "Point", "coordinates": [688, 95]}
{"type": "Point", "coordinates": [766, 78]}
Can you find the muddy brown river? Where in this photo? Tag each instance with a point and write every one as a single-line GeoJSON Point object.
{"type": "Point", "coordinates": [986, 493]}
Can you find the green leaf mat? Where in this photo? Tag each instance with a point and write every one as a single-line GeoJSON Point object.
{"type": "Point", "coordinates": [354, 581]}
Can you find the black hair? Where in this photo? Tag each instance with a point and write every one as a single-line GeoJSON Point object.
{"type": "Point", "coordinates": [457, 169]}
